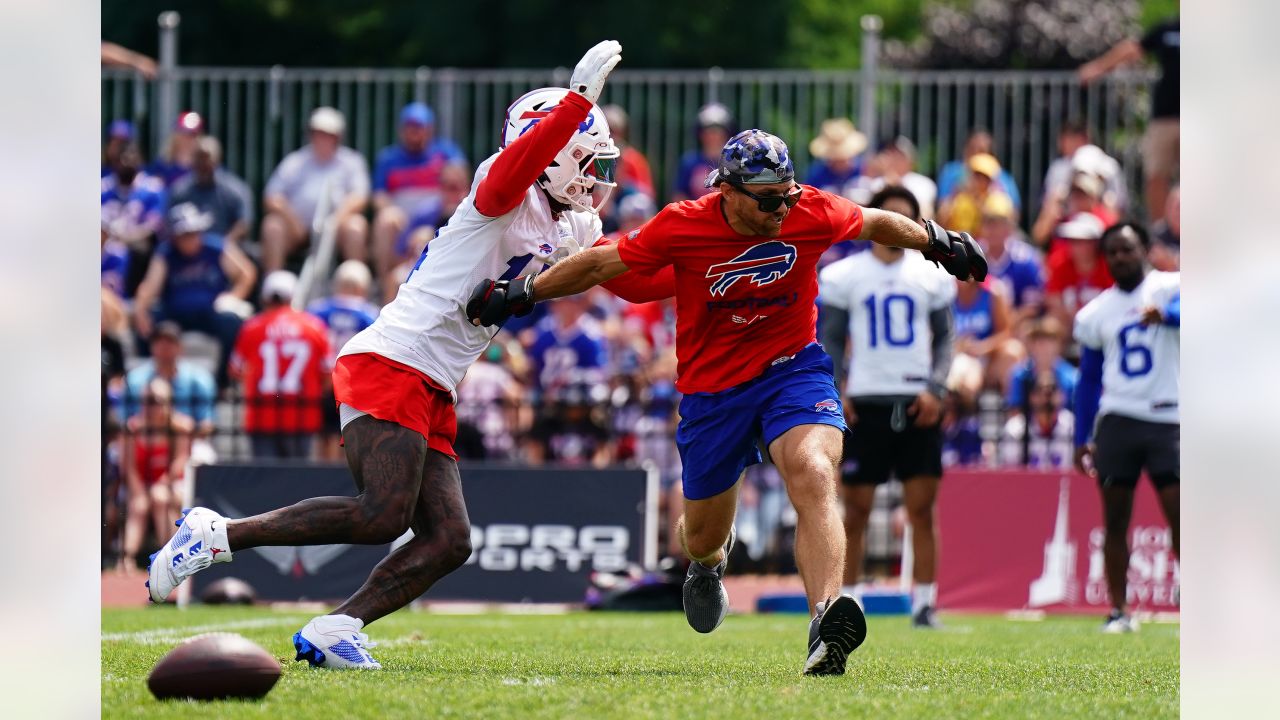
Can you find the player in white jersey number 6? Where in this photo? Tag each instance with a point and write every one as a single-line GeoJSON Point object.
{"type": "Point", "coordinates": [536, 199]}
{"type": "Point", "coordinates": [1129, 339]}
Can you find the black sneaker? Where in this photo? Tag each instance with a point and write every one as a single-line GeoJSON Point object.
{"type": "Point", "coordinates": [705, 600]}
{"type": "Point", "coordinates": [926, 617]}
{"type": "Point", "coordinates": [835, 632]}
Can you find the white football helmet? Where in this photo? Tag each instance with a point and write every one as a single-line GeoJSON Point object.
{"type": "Point", "coordinates": [582, 174]}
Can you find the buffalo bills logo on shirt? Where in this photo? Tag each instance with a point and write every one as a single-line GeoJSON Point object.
{"type": "Point", "coordinates": [762, 264]}
{"type": "Point", "coordinates": [545, 248]}
{"type": "Point", "coordinates": [533, 116]}
{"type": "Point", "coordinates": [830, 406]}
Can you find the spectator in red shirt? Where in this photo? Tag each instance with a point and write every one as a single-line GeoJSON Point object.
{"type": "Point", "coordinates": [634, 174]}
{"type": "Point", "coordinates": [1077, 274]}
{"type": "Point", "coordinates": [282, 356]}
{"type": "Point", "coordinates": [157, 443]}
{"type": "Point", "coordinates": [1083, 195]}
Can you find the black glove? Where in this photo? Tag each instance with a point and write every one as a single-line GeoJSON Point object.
{"type": "Point", "coordinates": [956, 252]}
{"type": "Point", "coordinates": [493, 302]}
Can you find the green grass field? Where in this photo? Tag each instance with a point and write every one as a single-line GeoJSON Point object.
{"type": "Point", "coordinates": [586, 665]}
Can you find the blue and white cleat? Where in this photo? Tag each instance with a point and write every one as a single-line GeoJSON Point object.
{"type": "Point", "coordinates": [201, 540]}
{"type": "Point", "coordinates": [336, 643]}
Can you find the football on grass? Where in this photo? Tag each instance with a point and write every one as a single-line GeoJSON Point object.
{"type": "Point", "coordinates": [213, 667]}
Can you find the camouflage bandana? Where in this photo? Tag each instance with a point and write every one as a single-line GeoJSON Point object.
{"type": "Point", "coordinates": [753, 157]}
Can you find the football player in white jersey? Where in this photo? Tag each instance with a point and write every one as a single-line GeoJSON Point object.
{"type": "Point", "coordinates": [897, 309]}
{"type": "Point", "coordinates": [1129, 343]}
{"type": "Point", "coordinates": [536, 199]}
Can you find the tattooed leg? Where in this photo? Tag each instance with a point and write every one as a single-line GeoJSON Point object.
{"type": "Point", "coordinates": [386, 460]}
{"type": "Point", "coordinates": [441, 544]}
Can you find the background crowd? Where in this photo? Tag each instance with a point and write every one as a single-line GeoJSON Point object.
{"type": "Point", "coordinates": [209, 351]}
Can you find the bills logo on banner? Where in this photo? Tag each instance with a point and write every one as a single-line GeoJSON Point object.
{"type": "Point", "coordinates": [1046, 552]}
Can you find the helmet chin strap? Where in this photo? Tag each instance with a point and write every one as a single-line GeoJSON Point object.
{"type": "Point", "coordinates": [557, 207]}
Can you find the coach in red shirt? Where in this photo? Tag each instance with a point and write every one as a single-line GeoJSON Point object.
{"type": "Point", "coordinates": [750, 368]}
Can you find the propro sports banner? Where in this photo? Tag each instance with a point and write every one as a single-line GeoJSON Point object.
{"type": "Point", "coordinates": [536, 533]}
{"type": "Point", "coordinates": [1014, 539]}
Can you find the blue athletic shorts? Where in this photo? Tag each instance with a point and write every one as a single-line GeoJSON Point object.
{"type": "Point", "coordinates": [720, 433]}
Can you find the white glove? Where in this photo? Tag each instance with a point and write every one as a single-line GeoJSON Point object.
{"type": "Point", "coordinates": [589, 74]}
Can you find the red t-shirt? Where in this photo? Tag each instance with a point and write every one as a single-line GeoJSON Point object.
{"type": "Point", "coordinates": [742, 301]}
{"type": "Point", "coordinates": [1065, 279]}
{"type": "Point", "coordinates": [282, 356]}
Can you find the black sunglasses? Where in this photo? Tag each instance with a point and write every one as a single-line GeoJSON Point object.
{"type": "Point", "coordinates": [770, 203]}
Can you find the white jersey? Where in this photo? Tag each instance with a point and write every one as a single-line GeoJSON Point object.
{"type": "Point", "coordinates": [1139, 363]}
{"type": "Point", "coordinates": [426, 326]}
{"type": "Point", "coordinates": [889, 306]}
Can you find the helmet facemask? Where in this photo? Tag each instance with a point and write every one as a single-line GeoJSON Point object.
{"type": "Point", "coordinates": [583, 177]}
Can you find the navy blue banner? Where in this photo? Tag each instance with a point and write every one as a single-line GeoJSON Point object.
{"type": "Point", "coordinates": [537, 533]}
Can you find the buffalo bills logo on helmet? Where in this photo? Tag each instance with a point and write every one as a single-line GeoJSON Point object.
{"type": "Point", "coordinates": [534, 116]}
{"type": "Point", "coordinates": [830, 406]}
{"type": "Point", "coordinates": [762, 264]}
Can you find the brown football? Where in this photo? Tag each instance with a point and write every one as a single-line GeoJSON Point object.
{"type": "Point", "coordinates": [212, 667]}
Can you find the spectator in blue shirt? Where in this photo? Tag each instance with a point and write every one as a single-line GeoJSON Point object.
{"type": "Point", "coordinates": [715, 125]}
{"type": "Point", "coordinates": [216, 192]}
{"type": "Point", "coordinates": [132, 213]}
{"type": "Point", "coordinates": [1044, 350]}
{"type": "Point", "coordinates": [407, 180]}
{"type": "Point", "coordinates": [200, 281]}
{"type": "Point", "coordinates": [568, 347]}
{"type": "Point", "coordinates": [120, 135]}
{"type": "Point", "coordinates": [837, 154]}
{"type": "Point", "coordinates": [115, 264]}
{"type": "Point", "coordinates": [345, 313]}
{"type": "Point", "coordinates": [348, 310]}
{"type": "Point", "coordinates": [952, 176]}
{"type": "Point", "coordinates": [1010, 258]}
{"type": "Point", "coordinates": [194, 391]}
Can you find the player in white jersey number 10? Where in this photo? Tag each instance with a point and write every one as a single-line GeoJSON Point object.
{"type": "Point", "coordinates": [394, 381]}
{"type": "Point", "coordinates": [1129, 339]}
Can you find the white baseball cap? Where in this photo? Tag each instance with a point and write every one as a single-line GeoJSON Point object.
{"type": "Point", "coordinates": [328, 120]}
{"type": "Point", "coordinates": [279, 285]}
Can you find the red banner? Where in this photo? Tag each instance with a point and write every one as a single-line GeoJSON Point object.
{"type": "Point", "coordinates": [1014, 539]}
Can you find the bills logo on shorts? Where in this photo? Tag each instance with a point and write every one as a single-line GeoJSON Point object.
{"type": "Point", "coordinates": [830, 406]}
{"type": "Point", "coordinates": [762, 264]}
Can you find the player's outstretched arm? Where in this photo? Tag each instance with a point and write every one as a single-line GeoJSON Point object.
{"type": "Point", "coordinates": [492, 302]}
{"type": "Point", "coordinates": [956, 252]}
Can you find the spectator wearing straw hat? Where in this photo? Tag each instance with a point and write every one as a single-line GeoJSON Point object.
{"type": "Point", "coordinates": [407, 179]}
{"type": "Point", "coordinates": [837, 154]}
{"type": "Point", "coordinates": [323, 173]}
{"type": "Point", "coordinates": [200, 280]}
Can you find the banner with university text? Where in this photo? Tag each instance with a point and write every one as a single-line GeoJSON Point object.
{"type": "Point", "coordinates": [1032, 540]}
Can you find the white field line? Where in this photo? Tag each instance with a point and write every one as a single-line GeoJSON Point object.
{"type": "Point", "coordinates": [173, 634]}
